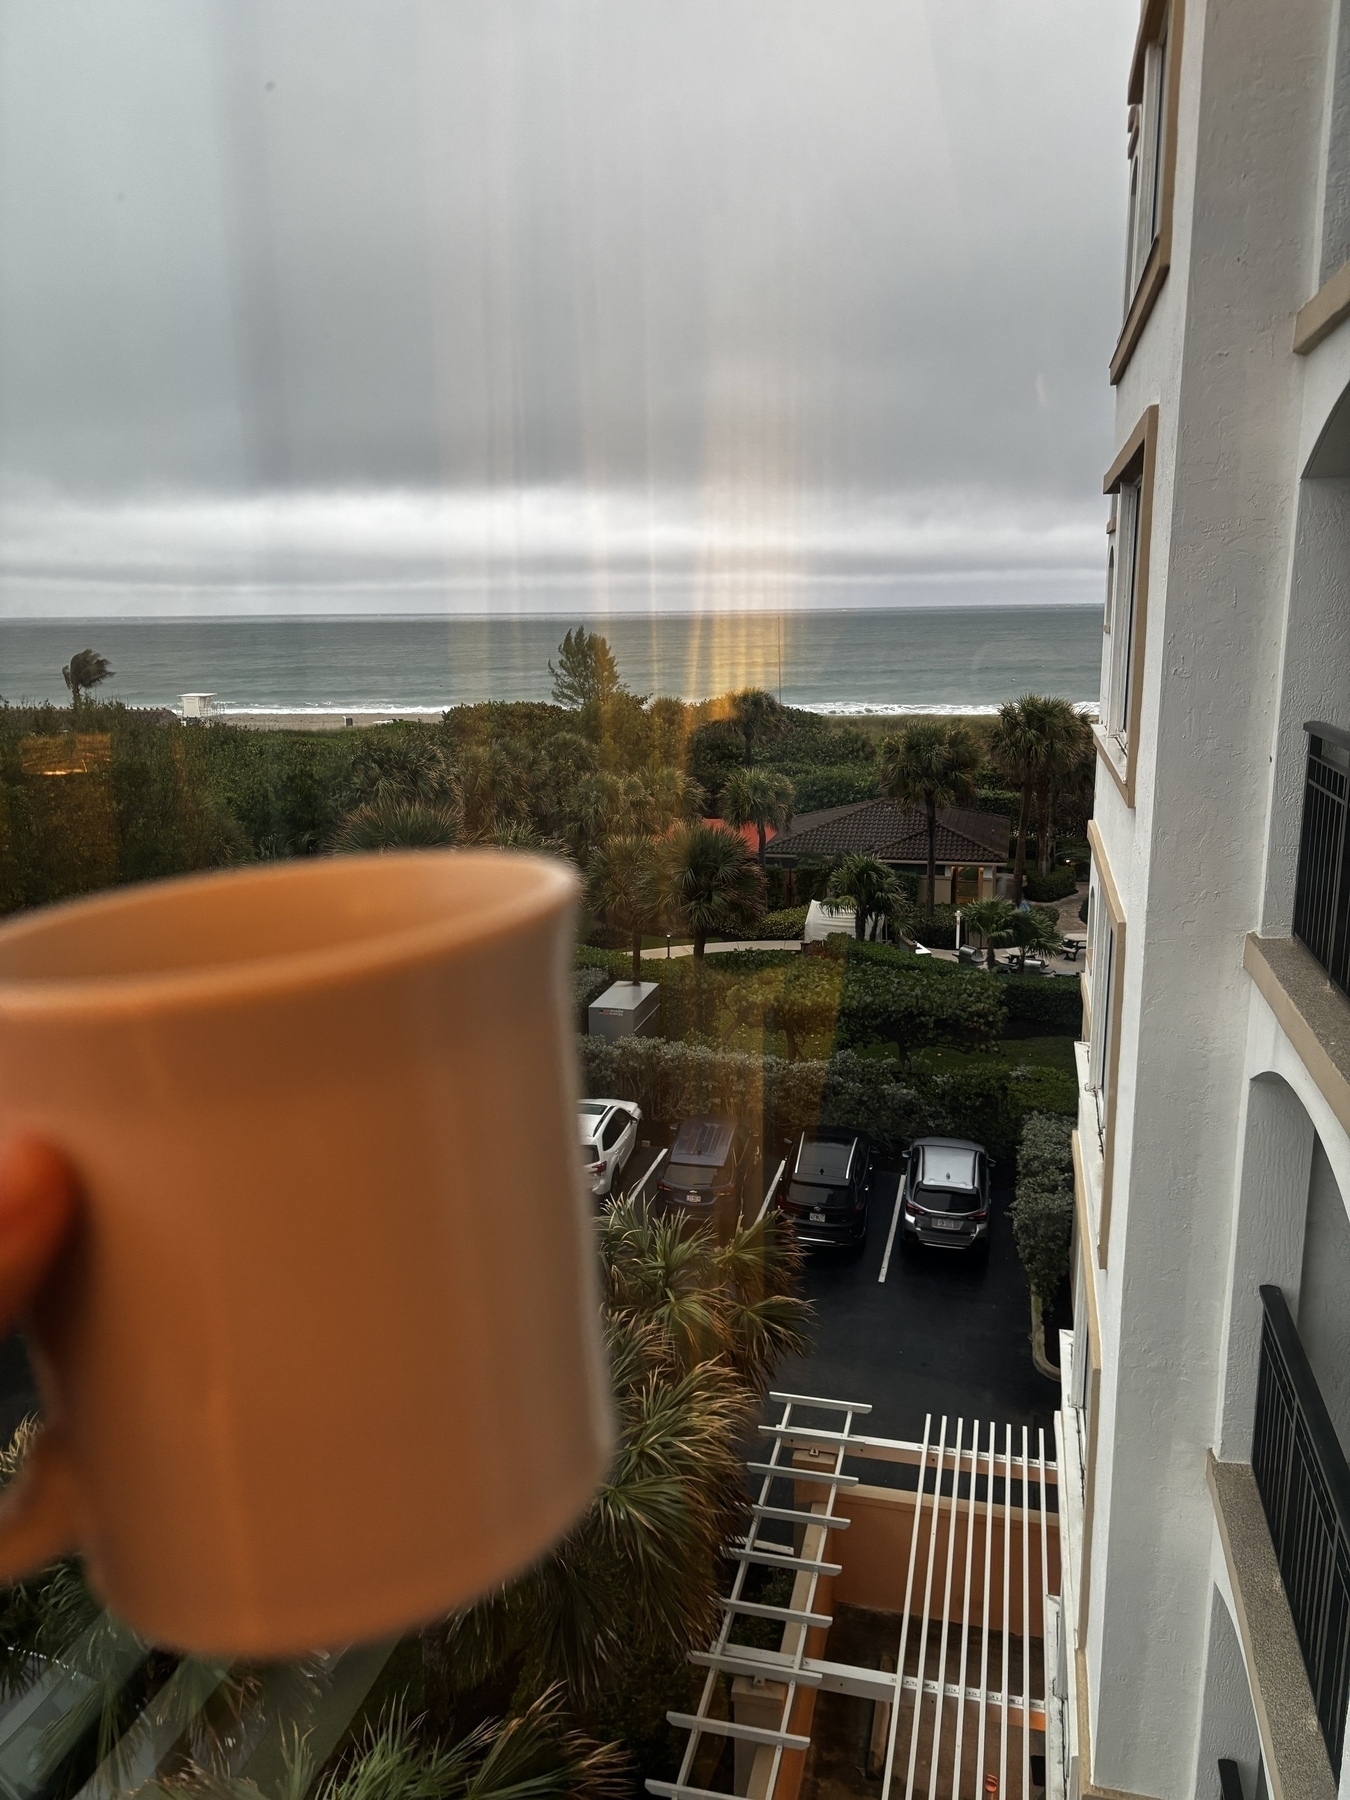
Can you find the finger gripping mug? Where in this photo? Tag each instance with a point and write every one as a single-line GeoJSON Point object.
{"type": "Point", "coordinates": [322, 1360]}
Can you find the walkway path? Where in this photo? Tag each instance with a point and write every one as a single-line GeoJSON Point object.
{"type": "Point", "coordinates": [718, 949]}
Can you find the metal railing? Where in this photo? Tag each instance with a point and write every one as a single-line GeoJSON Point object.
{"type": "Point", "coordinates": [1304, 1484]}
{"type": "Point", "coordinates": [1322, 896]}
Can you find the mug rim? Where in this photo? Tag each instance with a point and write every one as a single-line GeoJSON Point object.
{"type": "Point", "coordinates": [552, 886]}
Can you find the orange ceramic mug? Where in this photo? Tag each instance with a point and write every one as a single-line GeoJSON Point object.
{"type": "Point", "coordinates": [322, 1359]}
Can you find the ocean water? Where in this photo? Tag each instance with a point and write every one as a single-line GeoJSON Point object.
{"type": "Point", "coordinates": [892, 661]}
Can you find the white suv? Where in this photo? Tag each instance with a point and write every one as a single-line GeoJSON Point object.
{"type": "Point", "coordinates": [609, 1134]}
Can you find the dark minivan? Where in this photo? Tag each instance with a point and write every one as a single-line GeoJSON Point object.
{"type": "Point", "coordinates": [705, 1177]}
{"type": "Point", "coordinates": [826, 1193]}
{"type": "Point", "coordinates": [947, 1194]}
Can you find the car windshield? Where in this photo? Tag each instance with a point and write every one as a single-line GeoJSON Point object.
{"type": "Point", "coordinates": [947, 1200]}
{"type": "Point", "coordinates": [822, 1160]}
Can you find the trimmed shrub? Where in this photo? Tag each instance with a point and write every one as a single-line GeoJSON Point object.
{"type": "Point", "coordinates": [1057, 885]}
{"type": "Point", "coordinates": [789, 923]}
{"type": "Point", "coordinates": [937, 933]}
{"type": "Point", "coordinates": [1052, 1003]}
{"type": "Point", "coordinates": [676, 1081]}
{"type": "Point", "coordinates": [900, 1002]}
{"type": "Point", "coordinates": [588, 983]}
{"type": "Point", "coordinates": [1042, 1213]}
{"type": "Point", "coordinates": [816, 789]}
{"type": "Point", "coordinates": [1038, 1089]}
{"type": "Point", "coordinates": [1004, 801]}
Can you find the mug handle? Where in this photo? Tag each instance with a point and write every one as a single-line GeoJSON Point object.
{"type": "Point", "coordinates": [40, 1511]}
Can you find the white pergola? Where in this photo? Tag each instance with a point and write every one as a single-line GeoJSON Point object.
{"type": "Point", "coordinates": [966, 1462]}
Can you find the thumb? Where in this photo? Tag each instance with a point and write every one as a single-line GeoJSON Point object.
{"type": "Point", "coordinates": [38, 1194]}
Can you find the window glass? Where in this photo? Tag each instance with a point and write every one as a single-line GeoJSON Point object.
{"type": "Point", "coordinates": [1144, 141]}
{"type": "Point", "coordinates": [1123, 569]}
{"type": "Point", "coordinates": [614, 1130]}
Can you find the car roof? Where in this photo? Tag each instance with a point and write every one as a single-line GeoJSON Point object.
{"type": "Point", "coordinates": [947, 1162]}
{"type": "Point", "coordinates": [703, 1141]}
{"type": "Point", "coordinates": [825, 1156]}
{"type": "Point", "coordinates": [594, 1107]}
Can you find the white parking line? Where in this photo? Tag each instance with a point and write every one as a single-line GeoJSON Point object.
{"type": "Point", "coordinates": [890, 1235]}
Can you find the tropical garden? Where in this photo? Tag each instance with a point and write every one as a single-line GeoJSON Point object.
{"type": "Point", "coordinates": [559, 1683]}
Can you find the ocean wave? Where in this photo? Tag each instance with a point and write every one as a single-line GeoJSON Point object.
{"type": "Point", "coordinates": [839, 709]}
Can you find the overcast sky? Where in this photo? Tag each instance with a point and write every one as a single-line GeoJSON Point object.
{"type": "Point", "coordinates": [379, 304]}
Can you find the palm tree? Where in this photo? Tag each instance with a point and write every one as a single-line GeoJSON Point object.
{"type": "Point", "coordinates": [694, 1330]}
{"type": "Point", "coordinates": [1017, 745]}
{"type": "Point", "coordinates": [399, 764]}
{"type": "Point", "coordinates": [991, 920]}
{"type": "Point", "coordinates": [757, 715]}
{"type": "Point", "coordinates": [626, 889]}
{"type": "Point", "coordinates": [872, 888]}
{"type": "Point", "coordinates": [533, 1756]}
{"type": "Point", "coordinates": [713, 884]}
{"type": "Point", "coordinates": [1067, 755]}
{"type": "Point", "coordinates": [399, 825]}
{"type": "Point", "coordinates": [758, 797]}
{"type": "Point", "coordinates": [930, 764]}
{"type": "Point", "coordinates": [85, 671]}
{"type": "Point", "coordinates": [1036, 930]}
{"type": "Point", "coordinates": [660, 796]}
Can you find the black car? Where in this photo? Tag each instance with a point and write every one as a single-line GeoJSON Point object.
{"type": "Point", "coordinates": [705, 1177]}
{"type": "Point", "coordinates": [946, 1191]}
{"type": "Point", "coordinates": [828, 1178]}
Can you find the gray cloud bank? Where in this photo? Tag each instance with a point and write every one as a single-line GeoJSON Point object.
{"type": "Point", "coordinates": [427, 305]}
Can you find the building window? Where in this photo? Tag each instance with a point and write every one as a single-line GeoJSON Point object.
{"type": "Point", "coordinates": [1144, 149]}
{"type": "Point", "coordinates": [1151, 148]}
{"type": "Point", "coordinates": [1130, 485]}
{"type": "Point", "coordinates": [1101, 970]}
{"type": "Point", "coordinates": [1105, 991]}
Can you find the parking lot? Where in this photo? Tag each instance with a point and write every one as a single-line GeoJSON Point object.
{"type": "Point", "coordinates": [945, 1331]}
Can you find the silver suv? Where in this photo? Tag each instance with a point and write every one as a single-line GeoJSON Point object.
{"type": "Point", "coordinates": [946, 1194]}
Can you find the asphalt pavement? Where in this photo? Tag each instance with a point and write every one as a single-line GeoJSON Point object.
{"type": "Point", "coordinates": [945, 1332]}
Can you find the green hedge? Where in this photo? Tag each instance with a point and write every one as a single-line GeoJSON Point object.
{"type": "Point", "coordinates": [588, 983]}
{"type": "Point", "coordinates": [937, 932]}
{"type": "Point", "coordinates": [1057, 885]}
{"type": "Point", "coordinates": [676, 1081]}
{"type": "Point", "coordinates": [789, 923]}
{"type": "Point", "coordinates": [1041, 1090]}
{"type": "Point", "coordinates": [900, 1002]}
{"type": "Point", "coordinates": [1042, 1213]}
{"type": "Point", "coordinates": [815, 789]}
{"type": "Point", "coordinates": [1052, 1002]}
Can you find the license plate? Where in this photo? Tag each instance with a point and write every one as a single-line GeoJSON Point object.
{"type": "Point", "coordinates": [948, 1224]}
{"type": "Point", "coordinates": [817, 1218]}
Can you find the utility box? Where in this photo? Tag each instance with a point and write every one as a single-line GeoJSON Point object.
{"type": "Point", "coordinates": [198, 706]}
{"type": "Point", "coordinates": [627, 1009]}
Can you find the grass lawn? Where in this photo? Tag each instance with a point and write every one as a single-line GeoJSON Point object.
{"type": "Point", "coordinates": [1039, 1052]}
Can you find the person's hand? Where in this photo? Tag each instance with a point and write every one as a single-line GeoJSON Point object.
{"type": "Point", "coordinates": [38, 1194]}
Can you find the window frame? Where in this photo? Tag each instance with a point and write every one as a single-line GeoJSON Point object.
{"type": "Point", "coordinates": [1153, 95]}
{"type": "Point", "coordinates": [1116, 732]}
{"type": "Point", "coordinates": [1107, 987]}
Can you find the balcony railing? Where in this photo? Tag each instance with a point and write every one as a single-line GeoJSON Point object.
{"type": "Point", "coordinates": [1304, 1484]}
{"type": "Point", "coordinates": [1322, 898]}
